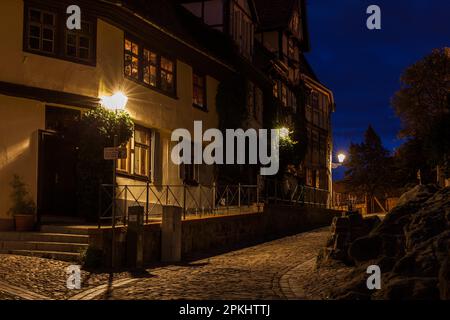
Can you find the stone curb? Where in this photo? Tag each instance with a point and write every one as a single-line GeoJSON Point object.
{"type": "Point", "coordinates": [285, 285]}
{"type": "Point", "coordinates": [93, 293]}
{"type": "Point", "coordinates": [20, 292]}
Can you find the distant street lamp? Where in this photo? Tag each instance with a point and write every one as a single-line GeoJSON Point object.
{"type": "Point", "coordinates": [341, 158]}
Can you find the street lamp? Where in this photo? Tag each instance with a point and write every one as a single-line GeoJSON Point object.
{"type": "Point", "coordinates": [117, 102]}
{"type": "Point", "coordinates": [341, 158]}
{"type": "Point", "coordinates": [284, 133]}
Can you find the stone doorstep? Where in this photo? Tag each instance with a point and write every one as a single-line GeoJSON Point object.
{"type": "Point", "coordinates": [44, 237]}
{"type": "Point", "coordinates": [43, 246]}
{"type": "Point", "coordinates": [63, 256]}
{"type": "Point", "coordinates": [75, 230]}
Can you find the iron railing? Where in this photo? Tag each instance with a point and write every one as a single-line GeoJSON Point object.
{"type": "Point", "coordinates": [199, 200]}
{"type": "Point", "coordinates": [203, 200]}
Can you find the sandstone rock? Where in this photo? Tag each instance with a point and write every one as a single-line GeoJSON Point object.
{"type": "Point", "coordinates": [411, 246]}
{"type": "Point", "coordinates": [411, 289]}
{"type": "Point", "coordinates": [354, 295]}
{"type": "Point", "coordinates": [371, 222]}
{"type": "Point", "coordinates": [418, 194]}
{"type": "Point", "coordinates": [366, 248]}
{"type": "Point", "coordinates": [444, 279]}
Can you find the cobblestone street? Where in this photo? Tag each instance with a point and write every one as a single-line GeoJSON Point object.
{"type": "Point", "coordinates": [280, 269]}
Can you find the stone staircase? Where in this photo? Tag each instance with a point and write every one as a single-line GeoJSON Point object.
{"type": "Point", "coordinates": [54, 242]}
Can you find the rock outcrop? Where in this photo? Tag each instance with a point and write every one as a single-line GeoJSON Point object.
{"type": "Point", "coordinates": [411, 246]}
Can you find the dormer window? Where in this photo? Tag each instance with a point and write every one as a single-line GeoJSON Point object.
{"type": "Point", "coordinates": [295, 24]}
{"type": "Point", "coordinates": [242, 30]}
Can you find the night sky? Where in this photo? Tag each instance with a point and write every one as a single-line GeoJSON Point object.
{"type": "Point", "coordinates": [363, 67]}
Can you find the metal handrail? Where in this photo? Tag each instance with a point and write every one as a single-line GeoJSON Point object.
{"type": "Point", "coordinates": [203, 199]}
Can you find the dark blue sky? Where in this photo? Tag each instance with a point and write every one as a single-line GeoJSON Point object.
{"type": "Point", "coordinates": [363, 67]}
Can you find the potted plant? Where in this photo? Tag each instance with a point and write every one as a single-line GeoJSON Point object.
{"type": "Point", "coordinates": [23, 208]}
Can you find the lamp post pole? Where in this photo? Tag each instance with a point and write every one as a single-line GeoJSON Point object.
{"type": "Point", "coordinates": [116, 102]}
{"type": "Point", "coordinates": [113, 231]}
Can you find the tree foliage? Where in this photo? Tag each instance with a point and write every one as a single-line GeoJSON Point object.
{"type": "Point", "coordinates": [369, 166]}
{"type": "Point", "coordinates": [423, 105]}
{"type": "Point", "coordinates": [91, 133]}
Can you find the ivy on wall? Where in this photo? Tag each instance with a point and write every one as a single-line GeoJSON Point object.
{"type": "Point", "coordinates": [90, 134]}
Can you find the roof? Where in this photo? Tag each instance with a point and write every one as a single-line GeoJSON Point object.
{"type": "Point", "coordinates": [274, 14]}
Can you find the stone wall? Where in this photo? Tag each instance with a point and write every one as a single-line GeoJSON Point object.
{"type": "Point", "coordinates": [217, 234]}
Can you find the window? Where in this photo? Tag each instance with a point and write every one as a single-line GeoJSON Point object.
{"type": "Point", "coordinates": [123, 165]}
{"type": "Point", "coordinates": [142, 152]}
{"type": "Point", "coordinates": [309, 177]}
{"type": "Point", "coordinates": [167, 70]}
{"type": "Point", "coordinates": [131, 59]}
{"type": "Point", "coordinates": [149, 67]}
{"type": "Point", "coordinates": [45, 33]}
{"type": "Point", "coordinates": [317, 179]}
{"type": "Point", "coordinates": [284, 95]}
{"type": "Point", "coordinates": [295, 23]}
{"type": "Point", "coordinates": [79, 43]}
{"type": "Point", "coordinates": [138, 154]}
{"type": "Point", "coordinates": [199, 93]}
{"type": "Point", "coordinates": [242, 30]}
{"type": "Point", "coordinates": [291, 49]}
{"type": "Point", "coordinates": [275, 89]}
{"type": "Point", "coordinates": [190, 173]}
{"type": "Point", "coordinates": [41, 30]}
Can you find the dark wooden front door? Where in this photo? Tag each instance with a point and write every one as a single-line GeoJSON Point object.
{"type": "Point", "coordinates": [57, 176]}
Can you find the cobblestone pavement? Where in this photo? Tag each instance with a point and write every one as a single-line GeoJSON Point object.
{"type": "Point", "coordinates": [280, 269]}
{"type": "Point", "coordinates": [251, 273]}
{"type": "Point", "coordinates": [46, 277]}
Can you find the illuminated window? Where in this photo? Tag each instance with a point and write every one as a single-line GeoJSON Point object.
{"type": "Point", "coordinates": [142, 139]}
{"type": "Point", "coordinates": [150, 67]}
{"type": "Point", "coordinates": [167, 74]}
{"type": "Point", "coordinates": [199, 93]}
{"type": "Point", "coordinates": [284, 95]}
{"type": "Point", "coordinates": [275, 89]}
{"type": "Point", "coordinates": [123, 165]}
{"type": "Point", "coordinates": [131, 59]}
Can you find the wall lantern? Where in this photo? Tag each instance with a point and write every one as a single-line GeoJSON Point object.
{"type": "Point", "coordinates": [116, 102]}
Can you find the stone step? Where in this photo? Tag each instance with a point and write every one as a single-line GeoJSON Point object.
{"type": "Point", "coordinates": [78, 230]}
{"type": "Point", "coordinates": [44, 237]}
{"type": "Point", "coordinates": [63, 256]}
{"type": "Point", "coordinates": [43, 246]}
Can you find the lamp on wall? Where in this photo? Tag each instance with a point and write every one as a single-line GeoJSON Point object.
{"type": "Point", "coordinates": [117, 102]}
{"type": "Point", "coordinates": [284, 133]}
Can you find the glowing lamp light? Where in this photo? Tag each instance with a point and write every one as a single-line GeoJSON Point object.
{"type": "Point", "coordinates": [284, 133]}
{"type": "Point", "coordinates": [341, 157]}
{"type": "Point", "coordinates": [116, 102]}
